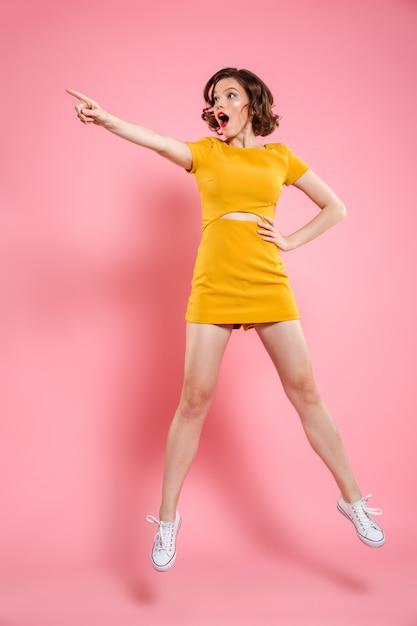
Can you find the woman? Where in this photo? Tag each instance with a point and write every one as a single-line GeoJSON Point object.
{"type": "Point", "coordinates": [239, 279]}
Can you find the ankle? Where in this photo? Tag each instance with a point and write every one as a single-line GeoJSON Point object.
{"type": "Point", "coordinates": [167, 515]}
{"type": "Point", "coordinates": [351, 495]}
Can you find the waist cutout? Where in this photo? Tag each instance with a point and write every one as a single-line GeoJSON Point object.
{"type": "Point", "coordinates": [241, 215]}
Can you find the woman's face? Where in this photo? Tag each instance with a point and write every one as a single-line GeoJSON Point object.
{"type": "Point", "coordinates": [231, 107]}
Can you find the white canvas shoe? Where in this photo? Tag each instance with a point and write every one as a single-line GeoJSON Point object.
{"type": "Point", "coordinates": [359, 514]}
{"type": "Point", "coordinates": [164, 551]}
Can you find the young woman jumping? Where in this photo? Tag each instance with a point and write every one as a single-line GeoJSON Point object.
{"type": "Point", "coordinates": [239, 280]}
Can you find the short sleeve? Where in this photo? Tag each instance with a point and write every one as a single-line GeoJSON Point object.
{"type": "Point", "coordinates": [199, 150]}
{"type": "Point", "coordinates": [295, 167]}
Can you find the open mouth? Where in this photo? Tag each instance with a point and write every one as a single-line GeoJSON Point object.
{"type": "Point", "coordinates": [223, 119]}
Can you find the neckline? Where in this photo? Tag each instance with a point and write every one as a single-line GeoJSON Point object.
{"type": "Point", "coordinates": [260, 147]}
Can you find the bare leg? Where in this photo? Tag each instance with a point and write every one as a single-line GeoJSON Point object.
{"type": "Point", "coordinates": [205, 346]}
{"type": "Point", "coordinates": [286, 345]}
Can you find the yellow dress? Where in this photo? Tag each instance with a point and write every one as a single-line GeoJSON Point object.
{"type": "Point", "coordinates": [238, 277]}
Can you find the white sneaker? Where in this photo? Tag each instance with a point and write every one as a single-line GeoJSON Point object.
{"type": "Point", "coordinates": [358, 513]}
{"type": "Point", "coordinates": [164, 553]}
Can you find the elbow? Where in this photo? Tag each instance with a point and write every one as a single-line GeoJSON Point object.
{"type": "Point", "coordinates": [336, 211]}
{"type": "Point", "coordinates": [341, 211]}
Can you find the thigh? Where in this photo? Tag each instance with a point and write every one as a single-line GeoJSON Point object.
{"type": "Point", "coordinates": [286, 345]}
{"type": "Point", "coordinates": [205, 346]}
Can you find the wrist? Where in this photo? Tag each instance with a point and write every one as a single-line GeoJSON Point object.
{"type": "Point", "coordinates": [290, 243]}
{"type": "Point", "coordinates": [109, 121]}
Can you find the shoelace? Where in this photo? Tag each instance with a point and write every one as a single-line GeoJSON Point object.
{"type": "Point", "coordinates": [362, 512]}
{"type": "Point", "coordinates": [164, 538]}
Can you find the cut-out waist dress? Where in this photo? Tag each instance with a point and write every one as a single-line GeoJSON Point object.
{"type": "Point", "coordinates": [238, 277]}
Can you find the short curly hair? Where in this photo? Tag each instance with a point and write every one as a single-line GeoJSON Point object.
{"type": "Point", "coordinates": [261, 101]}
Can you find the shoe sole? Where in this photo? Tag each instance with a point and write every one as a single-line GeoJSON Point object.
{"type": "Point", "coordinates": [165, 568]}
{"type": "Point", "coordinates": [368, 542]}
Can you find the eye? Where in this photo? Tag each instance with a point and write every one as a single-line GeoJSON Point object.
{"type": "Point", "coordinates": [231, 95]}
{"type": "Point", "coordinates": [215, 98]}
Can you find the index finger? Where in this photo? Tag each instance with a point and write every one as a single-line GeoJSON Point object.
{"type": "Point", "coordinates": [80, 96]}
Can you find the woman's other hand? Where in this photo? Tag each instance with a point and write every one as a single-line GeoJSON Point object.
{"type": "Point", "coordinates": [269, 232]}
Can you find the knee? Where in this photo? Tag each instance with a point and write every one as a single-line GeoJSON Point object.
{"type": "Point", "coordinates": [302, 390]}
{"type": "Point", "coordinates": [194, 403]}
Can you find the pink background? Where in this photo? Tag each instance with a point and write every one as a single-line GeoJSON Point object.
{"type": "Point", "coordinates": [97, 242]}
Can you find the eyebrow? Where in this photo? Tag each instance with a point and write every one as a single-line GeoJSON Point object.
{"type": "Point", "coordinates": [215, 93]}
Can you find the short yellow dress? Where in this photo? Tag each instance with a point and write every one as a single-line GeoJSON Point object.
{"type": "Point", "coordinates": [238, 277]}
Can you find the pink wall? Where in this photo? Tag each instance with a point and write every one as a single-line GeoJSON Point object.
{"type": "Point", "coordinates": [97, 241]}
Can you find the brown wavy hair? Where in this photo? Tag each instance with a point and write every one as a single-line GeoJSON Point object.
{"type": "Point", "coordinates": [261, 101]}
